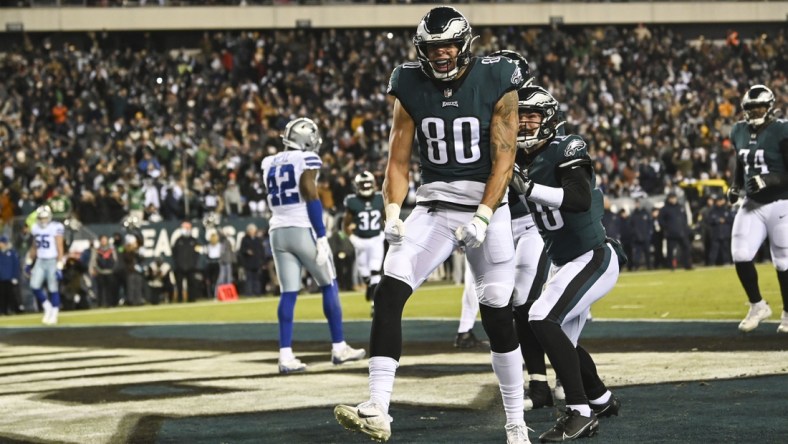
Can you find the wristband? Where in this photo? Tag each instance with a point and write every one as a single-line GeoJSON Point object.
{"type": "Point", "coordinates": [314, 209]}
{"type": "Point", "coordinates": [28, 261]}
{"type": "Point", "coordinates": [484, 213]}
{"type": "Point", "coordinates": [392, 211]}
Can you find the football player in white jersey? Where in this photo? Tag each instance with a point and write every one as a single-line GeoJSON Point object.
{"type": "Point", "coordinates": [363, 222]}
{"type": "Point", "coordinates": [48, 255]}
{"type": "Point", "coordinates": [298, 239]}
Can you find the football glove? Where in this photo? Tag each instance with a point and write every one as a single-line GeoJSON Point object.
{"type": "Point", "coordinates": [395, 228]}
{"type": "Point", "coordinates": [734, 193]}
{"type": "Point", "coordinates": [28, 269]}
{"type": "Point", "coordinates": [473, 233]}
{"type": "Point", "coordinates": [756, 184]}
{"type": "Point", "coordinates": [395, 232]}
{"type": "Point", "coordinates": [520, 182]}
{"type": "Point", "coordinates": [59, 275]}
{"type": "Point", "coordinates": [323, 251]}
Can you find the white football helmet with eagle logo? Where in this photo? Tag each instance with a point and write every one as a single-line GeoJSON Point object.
{"type": "Point", "coordinates": [537, 99]}
{"type": "Point", "coordinates": [443, 25]}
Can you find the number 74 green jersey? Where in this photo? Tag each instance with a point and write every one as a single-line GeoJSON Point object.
{"type": "Point", "coordinates": [758, 152]}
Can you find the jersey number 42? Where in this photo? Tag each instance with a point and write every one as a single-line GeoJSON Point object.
{"type": "Point", "coordinates": [282, 185]}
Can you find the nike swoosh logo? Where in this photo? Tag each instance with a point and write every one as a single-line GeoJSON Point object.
{"type": "Point", "coordinates": [780, 217]}
{"type": "Point", "coordinates": [364, 415]}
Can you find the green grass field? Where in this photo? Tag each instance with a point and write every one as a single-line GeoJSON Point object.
{"type": "Point", "coordinates": [705, 293]}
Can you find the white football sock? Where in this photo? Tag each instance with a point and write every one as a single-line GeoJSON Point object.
{"type": "Point", "coordinates": [537, 377]}
{"type": "Point", "coordinates": [583, 409]}
{"type": "Point", "coordinates": [286, 354]}
{"type": "Point", "coordinates": [508, 368]}
{"type": "Point", "coordinates": [382, 371]}
{"type": "Point", "coordinates": [602, 399]}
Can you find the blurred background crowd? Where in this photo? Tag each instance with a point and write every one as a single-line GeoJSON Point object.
{"type": "Point", "coordinates": [173, 126]}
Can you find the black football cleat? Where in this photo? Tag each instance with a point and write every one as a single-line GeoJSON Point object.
{"type": "Point", "coordinates": [610, 408]}
{"type": "Point", "coordinates": [571, 425]}
{"type": "Point", "coordinates": [538, 395]}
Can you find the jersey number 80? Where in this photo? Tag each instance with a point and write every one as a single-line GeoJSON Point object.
{"type": "Point", "coordinates": [465, 134]}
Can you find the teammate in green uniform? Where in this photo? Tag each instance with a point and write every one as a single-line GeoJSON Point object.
{"type": "Point", "coordinates": [463, 112]}
{"type": "Point", "coordinates": [530, 276]}
{"type": "Point", "coordinates": [761, 143]}
{"type": "Point", "coordinates": [363, 222]}
{"type": "Point", "coordinates": [567, 207]}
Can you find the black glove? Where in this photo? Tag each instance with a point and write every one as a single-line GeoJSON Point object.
{"type": "Point", "coordinates": [520, 182]}
{"type": "Point", "coordinates": [734, 193]}
{"type": "Point", "coordinates": [756, 184]}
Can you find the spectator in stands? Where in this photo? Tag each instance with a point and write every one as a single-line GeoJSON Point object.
{"type": "Point", "coordinates": [9, 276]}
{"type": "Point", "coordinates": [657, 239]}
{"type": "Point", "coordinates": [675, 226]}
{"type": "Point", "coordinates": [251, 258]}
{"type": "Point", "coordinates": [136, 287]}
{"type": "Point", "coordinates": [185, 257]}
{"type": "Point", "coordinates": [703, 226]}
{"type": "Point", "coordinates": [269, 281]}
{"type": "Point", "coordinates": [227, 257]}
{"type": "Point", "coordinates": [232, 198]}
{"type": "Point", "coordinates": [160, 281]}
{"type": "Point", "coordinates": [625, 222]}
{"type": "Point", "coordinates": [642, 227]}
{"type": "Point", "coordinates": [102, 267]}
{"type": "Point", "coordinates": [213, 253]}
{"type": "Point", "coordinates": [6, 208]}
{"type": "Point", "coordinates": [720, 232]}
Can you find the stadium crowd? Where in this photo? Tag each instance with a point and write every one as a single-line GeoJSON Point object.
{"type": "Point", "coordinates": [113, 124]}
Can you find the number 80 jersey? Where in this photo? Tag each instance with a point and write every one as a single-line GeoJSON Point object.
{"type": "Point", "coordinates": [453, 119]}
{"type": "Point", "coordinates": [282, 173]}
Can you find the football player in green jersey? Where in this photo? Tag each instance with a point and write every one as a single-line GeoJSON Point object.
{"type": "Point", "coordinates": [530, 275]}
{"type": "Point", "coordinates": [363, 222]}
{"type": "Point", "coordinates": [567, 208]}
{"type": "Point", "coordinates": [463, 112]}
{"type": "Point", "coordinates": [761, 177]}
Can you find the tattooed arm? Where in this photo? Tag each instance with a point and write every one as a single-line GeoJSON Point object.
{"type": "Point", "coordinates": [503, 134]}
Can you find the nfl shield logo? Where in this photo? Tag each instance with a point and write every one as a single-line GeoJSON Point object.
{"type": "Point", "coordinates": [447, 92]}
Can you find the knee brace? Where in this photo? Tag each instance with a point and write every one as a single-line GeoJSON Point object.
{"type": "Point", "coordinates": [498, 323]}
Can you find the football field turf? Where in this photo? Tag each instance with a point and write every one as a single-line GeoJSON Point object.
{"type": "Point", "coordinates": [665, 342]}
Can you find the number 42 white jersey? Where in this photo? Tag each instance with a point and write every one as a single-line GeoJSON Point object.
{"type": "Point", "coordinates": [282, 173]}
{"type": "Point", "coordinates": [44, 238]}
